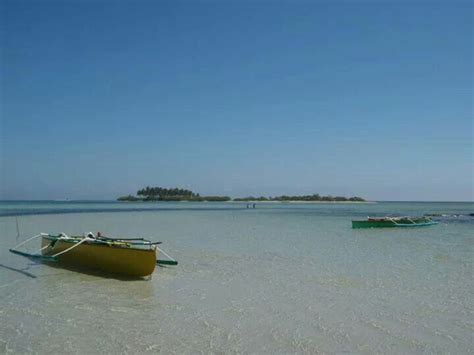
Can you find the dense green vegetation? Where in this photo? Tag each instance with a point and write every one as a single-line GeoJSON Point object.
{"type": "Point", "coordinates": [173, 194]}
{"type": "Point", "coordinates": [129, 198]}
{"type": "Point", "coordinates": [176, 194]}
{"type": "Point", "coordinates": [160, 193]}
{"type": "Point", "coordinates": [251, 198]}
{"type": "Point", "coordinates": [216, 198]}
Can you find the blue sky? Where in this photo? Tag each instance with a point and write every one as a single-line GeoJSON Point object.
{"type": "Point", "coordinates": [237, 97]}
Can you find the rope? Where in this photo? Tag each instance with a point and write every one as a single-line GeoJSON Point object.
{"type": "Point", "coordinates": [43, 248]}
{"type": "Point", "coordinates": [169, 257]}
{"type": "Point", "coordinates": [393, 221]}
{"type": "Point", "coordinates": [75, 245]}
{"type": "Point", "coordinates": [26, 241]}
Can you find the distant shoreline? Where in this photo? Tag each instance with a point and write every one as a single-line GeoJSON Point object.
{"type": "Point", "coordinates": [258, 201]}
{"type": "Point", "coordinates": [306, 202]}
{"type": "Point", "coordinates": [252, 201]}
{"type": "Point", "coordinates": [178, 194]}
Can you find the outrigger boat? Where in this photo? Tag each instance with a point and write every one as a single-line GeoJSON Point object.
{"type": "Point", "coordinates": [134, 257]}
{"type": "Point", "coordinates": [390, 222]}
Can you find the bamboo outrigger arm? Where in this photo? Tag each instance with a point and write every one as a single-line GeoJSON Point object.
{"type": "Point", "coordinates": [171, 261]}
{"type": "Point", "coordinates": [45, 257]}
{"type": "Point", "coordinates": [38, 256]}
{"type": "Point", "coordinates": [15, 250]}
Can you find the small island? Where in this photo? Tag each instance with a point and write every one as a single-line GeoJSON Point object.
{"type": "Point", "coordinates": [172, 194]}
{"type": "Point", "coordinates": [177, 194]}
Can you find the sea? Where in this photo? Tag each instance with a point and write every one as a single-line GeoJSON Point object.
{"type": "Point", "coordinates": [280, 278]}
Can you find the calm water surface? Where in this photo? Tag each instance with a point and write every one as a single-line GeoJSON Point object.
{"type": "Point", "coordinates": [281, 278]}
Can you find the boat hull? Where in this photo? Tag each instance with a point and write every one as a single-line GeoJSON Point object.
{"type": "Point", "coordinates": [111, 258]}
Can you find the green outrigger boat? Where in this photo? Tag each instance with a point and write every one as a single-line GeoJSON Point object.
{"type": "Point", "coordinates": [391, 222]}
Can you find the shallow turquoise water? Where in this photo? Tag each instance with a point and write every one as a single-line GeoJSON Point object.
{"type": "Point", "coordinates": [281, 278]}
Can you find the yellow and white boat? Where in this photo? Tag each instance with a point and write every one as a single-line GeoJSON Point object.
{"type": "Point", "coordinates": [133, 257]}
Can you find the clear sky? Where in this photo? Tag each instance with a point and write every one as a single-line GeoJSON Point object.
{"type": "Point", "coordinates": [373, 99]}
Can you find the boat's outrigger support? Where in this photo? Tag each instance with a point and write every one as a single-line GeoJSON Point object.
{"type": "Point", "coordinates": [34, 256]}
{"type": "Point", "coordinates": [53, 257]}
{"type": "Point", "coordinates": [37, 255]}
{"type": "Point", "coordinates": [170, 260]}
